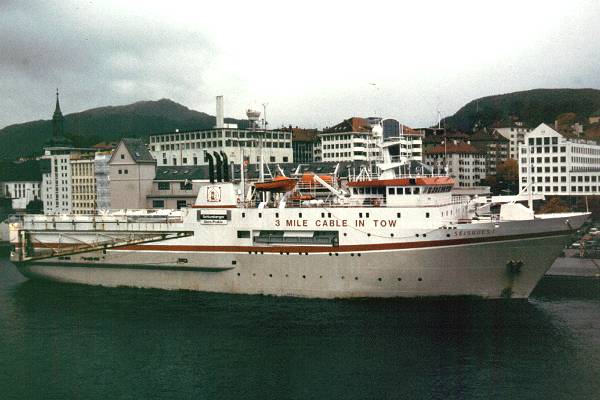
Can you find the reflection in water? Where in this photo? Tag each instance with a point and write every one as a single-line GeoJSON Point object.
{"type": "Point", "coordinates": [91, 342]}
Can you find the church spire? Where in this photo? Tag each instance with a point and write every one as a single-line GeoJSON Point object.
{"type": "Point", "coordinates": [57, 120]}
{"type": "Point", "coordinates": [57, 108]}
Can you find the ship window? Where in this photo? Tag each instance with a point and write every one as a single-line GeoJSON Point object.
{"type": "Point", "coordinates": [243, 234]}
{"type": "Point", "coordinates": [243, 215]}
{"type": "Point", "coordinates": [359, 215]}
{"type": "Point", "coordinates": [391, 190]}
{"type": "Point", "coordinates": [299, 215]}
{"type": "Point", "coordinates": [408, 190]}
{"type": "Point", "coordinates": [416, 190]}
{"type": "Point", "coordinates": [276, 215]}
{"type": "Point", "coordinates": [367, 215]}
{"type": "Point", "coordinates": [426, 215]}
{"type": "Point", "coordinates": [398, 215]}
{"type": "Point", "coordinates": [259, 215]}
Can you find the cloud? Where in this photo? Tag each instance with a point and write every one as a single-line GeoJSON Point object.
{"type": "Point", "coordinates": [94, 57]}
{"type": "Point", "coordinates": [311, 61]}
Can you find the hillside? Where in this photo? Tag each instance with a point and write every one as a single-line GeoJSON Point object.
{"type": "Point", "coordinates": [105, 124]}
{"type": "Point", "coordinates": [531, 107]}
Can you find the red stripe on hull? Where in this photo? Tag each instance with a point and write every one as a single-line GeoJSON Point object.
{"type": "Point", "coordinates": [334, 249]}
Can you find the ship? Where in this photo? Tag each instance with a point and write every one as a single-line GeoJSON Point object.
{"type": "Point", "coordinates": [394, 229]}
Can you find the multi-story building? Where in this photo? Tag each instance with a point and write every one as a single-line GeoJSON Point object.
{"type": "Point", "coordinates": [303, 144]}
{"type": "Point", "coordinates": [494, 146]}
{"type": "Point", "coordinates": [351, 140]}
{"type": "Point", "coordinates": [176, 187]}
{"type": "Point", "coordinates": [189, 147]}
{"type": "Point", "coordinates": [551, 164]}
{"type": "Point", "coordinates": [463, 162]}
{"type": "Point", "coordinates": [132, 170]}
{"type": "Point", "coordinates": [516, 135]}
{"type": "Point", "coordinates": [21, 182]}
{"type": "Point", "coordinates": [83, 184]}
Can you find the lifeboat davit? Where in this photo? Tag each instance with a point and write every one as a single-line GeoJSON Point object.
{"type": "Point", "coordinates": [279, 184]}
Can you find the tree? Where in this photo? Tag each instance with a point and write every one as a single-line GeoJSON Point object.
{"type": "Point", "coordinates": [35, 206]}
{"type": "Point", "coordinates": [554, 205]}
{"type": "Point", "coordinates": [6, 208]}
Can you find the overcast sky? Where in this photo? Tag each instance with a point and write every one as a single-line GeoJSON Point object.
{"type": "Point", "coordinates": [314, 62]}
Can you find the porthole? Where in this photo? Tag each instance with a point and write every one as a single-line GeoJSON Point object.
{"type": "Point", "coordinates": [351, 254]}
{"type": "Point", "coordinates": [286, 275]}
{"type": "Point", "coordinates": [379, 279]}
{"type": "Point", "coordinates": [420, 279]}
{"type": "Point", "coordinates": [238, 274]}
{"type": "Point", "coordinates": [417, 235]}
{"type": "Point", "coordinates": [270, 275]}
{"type": "Point", "coordinates": [342, 277]}
{"type": "Point", "coordinates": [358, 254]}
{"type": "Point", "coordinates": [424, 235]}
{"type": "Point", "coordinates": [320, 276]}
{"type": "Point", "coordinates": [336, 254]}
{"type": "Point", "coordinates": [399, 279]}
{"type": "Point", "coordinates": [391, 235]}
{"type": "Point", "coordinates": [447, 235]}
{"type": "Point", "coordinates": [368, 234]}
{"type": "Point", "coordinates": [356, 278]}
{"type": "Point", "coordinates": [303, 276]}
{"type": "Point", "coordinates": [253, 274]}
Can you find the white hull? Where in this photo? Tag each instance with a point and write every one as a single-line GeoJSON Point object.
{"type": "Point", "coordinates": [478, 269]}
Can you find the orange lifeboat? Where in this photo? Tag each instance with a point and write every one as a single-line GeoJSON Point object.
{"type": "Point", "coordinates": [307, 180]}
{"type": "Point", "coordinates": [279, 184]}
{"type": "Point", "coordinates": [301, 197]}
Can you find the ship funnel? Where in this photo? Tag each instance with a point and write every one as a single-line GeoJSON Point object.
{"type": "Point", "coordinates": [225, 167]}
{"type": "Point", "coordinates": [219, 167]}
{"type": "Point", "coordinates": [220, 114]}
{"type": "Point", "coordinates": [211, 171]}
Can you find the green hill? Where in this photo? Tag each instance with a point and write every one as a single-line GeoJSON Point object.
{"type": "Point", "coordinates": [105, 124]}
{"type": "Point", "coordinates": [531, 107]}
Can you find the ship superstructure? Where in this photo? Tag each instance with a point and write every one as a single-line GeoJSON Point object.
{"type": "Point", "coordinates": [392, 230]}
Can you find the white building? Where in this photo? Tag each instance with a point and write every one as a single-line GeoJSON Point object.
{"type": "Point", "coordinates": [350, 140]}
{"type": "Point", "coordinates": [516, 135]}
{"type": "Point", "coordinates": [21, 182]}
{"type": "Point", "coordinates": [57, 184]}
{"type": "Point", "coordinates": [359, 139]}
{"type": "Point", "coordinates": [557, 166]}
{"type": "Point", "coordinates": [465, 163]}
{"type": "Point", "coordinates": [189, 148]}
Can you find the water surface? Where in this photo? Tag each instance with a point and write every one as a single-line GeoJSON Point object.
{"type": "Point", "coordinates": [68, 341]}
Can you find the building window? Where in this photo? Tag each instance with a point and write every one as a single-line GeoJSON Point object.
{"type": "Point", "coordinates": [164, 185]}
{"type": "Point", "coordinates": [158, 203]}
